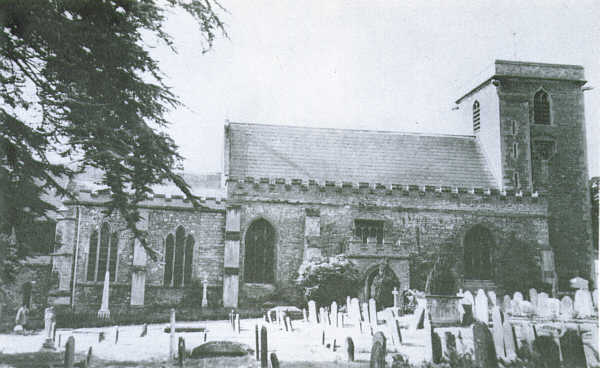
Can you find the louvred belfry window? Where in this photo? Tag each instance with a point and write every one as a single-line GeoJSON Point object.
{"type": "Point", "coordinates": [102, 255]}
{"type": "Point", "coordinates": [476, 117]}
{"type": "Point", "coordinates": [541, 108]}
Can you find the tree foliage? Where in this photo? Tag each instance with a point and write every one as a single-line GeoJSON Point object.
{"type": "Point", "coordinates": [517, 267]}
{"type": "Point", "coordinates": [325, 280]}
{"type": "Point", "coordinates": [77, 84]}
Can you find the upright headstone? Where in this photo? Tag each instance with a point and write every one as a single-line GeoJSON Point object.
{"type": "Point", "coordinates": [481, 306]}
{"type": "Point", "coordinates": [334, 313]}
{"type": "Point", "coordinates": [492, 297]}
{"type": "Point", "coordinates": [348, 306]}
{"type": "Point", "coordinates": [566, 307]}
{"type": "Point", "coordinates": [181, 351]}
{"type": "Point", "coordinates": [595, 298]}
{"type": "Point", "coordinates": [483, 343]}
{"type": "Point", "coordinates": [172, 335]}
{"type": "Point", "coordinates": [583, 305]}
{"type": "Point", "coordinates": [507, 305]}
{"type": "Point", "coordinates": [572, 350]}
{"type": "Point", "coordinates": [70, 352]}
{"type": "Point", "coordinates": [553, 307]}
{"type": "Point", "coordinates": [468, 298]}
{"type": "Point", "coordinates": [322, 316]}
{"type": "Point", "coordinates": [372, 312]}
{"type": "Point", "coordinates": [274, 361]}
{"type": "Point", "coordinates": [510, 347]}
{"type": "Point", "coordinates": [533, 296]}
{"type": "Point", "coordinates": [543, 308]}
{"type": "Point", "coordinates": [264, 348]}
{"type": "Point", "coordinates": [436, 347]}
{"type": "Point", "coordinates": [312, 312]}
{"type": "Point", "coordinates": [377, 356]}
{"type": "Point", "coordinates": [304, 317]}
{"type": "Point", "coordinates": [256, 343]}
{"type": "Point", "coordinates": [395, 294]}
{"type": "Point", "coordinates": [365, 312]}
{"type": "Point", "coordinates": [355, 311]}
{"type": "Point", "coordinates": [104, 312]}
{"type": "Point", "coordinates": [349, 348]}
{"type": "Point", "coordinates": [497, 331]}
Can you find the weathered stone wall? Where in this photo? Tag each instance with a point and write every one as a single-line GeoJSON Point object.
{"type": "Point", "coordinates": [415, 221]}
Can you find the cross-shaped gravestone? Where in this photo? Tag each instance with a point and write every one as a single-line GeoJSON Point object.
{"type": "Point", "coordinates": [204, 293]}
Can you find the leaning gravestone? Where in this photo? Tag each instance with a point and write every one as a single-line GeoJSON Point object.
{"type": "Point", "coordinates": [583, 304]}
{"type": "Point", "coordinates": [377, 355]}
{"type": "Point", "coordinates": [572, 350]}
{"type": "Point", "coordinates": [312, 311]}
{"type": "Point", "coordinates": [481, 306]}
{"type": "Point", "coordinates": [566, 307]}
{"type": "Point", "coordinates": [372, 312]}
{"type": "Point", "coordinates": [483, 343]}
{"type": "Point", "coordinates": [390, 323]}
{"type": "Point", "coordinates": [548, 351]}
{"type": "Point", "coordinates": [497, 331]}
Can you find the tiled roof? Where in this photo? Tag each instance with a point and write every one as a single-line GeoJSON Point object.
{"type": "Point", "coordinates": [275, 151]}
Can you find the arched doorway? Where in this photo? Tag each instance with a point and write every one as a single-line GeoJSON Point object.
{"type": "Point", "coordinates": [259, 256]}
{"type": "Point", "coordinates": [478, 244]}
{"type": "Point", "coordinates": [379, 284]}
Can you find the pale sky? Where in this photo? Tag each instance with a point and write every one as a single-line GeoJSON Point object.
{"type": "Point", "coordinates": [386, 65]}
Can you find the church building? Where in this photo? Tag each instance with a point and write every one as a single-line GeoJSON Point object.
{"type": "Point", "coordinates": [290, 193]}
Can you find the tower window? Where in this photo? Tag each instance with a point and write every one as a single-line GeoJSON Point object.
{"type": "Point", "coordinates": [514, 127]}
{"type": "Point", "coordinates": [516, 180]}
{"type": "Point", "coordinates": [476, 117]}
{"type": "Point", "coordinates": [515, 150]}
{"type": "Point", "coordinates": [541, 108]}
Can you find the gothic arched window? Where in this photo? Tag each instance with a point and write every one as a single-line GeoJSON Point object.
{"type": "Point", "coordinates": [478, 244]}
{"type": "Point", "coordinates": [103, 252]}
{"type": "Point", "coordinates": [541, 108]}
{"type": "Point", "coordinates": [179, 252]}
{"type": "Point", "coordinates": [476, 117]}
{"type": "Point", "coordinates": [259, 256]}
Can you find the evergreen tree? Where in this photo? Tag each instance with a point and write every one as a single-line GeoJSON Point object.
{"type": "Point", "coordinates": [77, 84]}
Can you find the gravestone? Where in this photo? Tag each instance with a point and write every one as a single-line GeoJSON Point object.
{"type": "Point", "coordinates": [274, 361]}
{"type": "Point", "coordinates": [542, 308]}
{"type": "Point", "coordinates": [428, 339]}
{"type": "Point", "coordinates": [304, 317]}
{"type": "Point", "coordinates": [527, 308]}
{"type": "Point", "coordinates": [312, 312]}
{"type": "Point", "coordinates": [395, 294]}
{"type": "Point", "coordinates": [391, 326]}
{"type": "Point", "coordinates": [70, 352]}
{"type": "Point", "coordinates": [48, 333]}
{"type": "Point", "coordinates": [548, 351]}
{"type": "Point", "coordinates": [566, 307]}
{"type": "Point", "coordinates": [144, 330]}
{"type": "Point", "coordinates": [172, 335]}
{"type": "Point", "coordinates": [322, 316]}
{"type": "Point", "coordinates": [436, 347]}
{"type": "Point", "coordinates": [583, 305]}
{"type": "Point", "coordinates": [355, 311]}
{"type": "Point", "coordinates": [219, 349]}
{"type": "Point", "coordinates": [377, 356]}
{"type": "Point", "coordinates": [256, 343]}
{"type": "Point", "coordinates": [483, 343]}
{"type": "Point", "coordinates": [517, 296]}
{"type": "Point", "coordinates": [467, 318]}
{"type": "Point", "coordinates": [572, 350]}
{"type": "Point", "coordinates": [380, 337]}
{"type": "Point", "coordinates": [334, 313]}
{"type": "Point", "coordinates": [180, 351]}
{"type": "Point", "coordinates": [349, 348]}
{"type": "Point", "coordinates": [492, 297]}
{"type": "Point", "coordinates": [372, 312]}
{"type": "Point", "coordinates": [507, 305]}
{"type": "Point", "coordinates": [418, 318]}
{"type": "Point", "coordinates": [515, 307]}
{"type": "Point", "coordinates": [497, 331]}
{"type": "Point", "coordinates": [595, 298]}
{"type": "Point", "coordinates": [467, 298]}
{"type": "Point", "coordinates": [481, 306]}
{"type": "Point", "coordinates": [554, 307]}
{"type": "Point", "coordinates": [510, 341]}
{"type": "Point", "coordinates": [365, 312]}
{"type": "Point", "coordinates": [264, 348]}
{"type": "Point", "coordinates": [460, 344]}
{"type": "Point", "coordinates": [533, 297]}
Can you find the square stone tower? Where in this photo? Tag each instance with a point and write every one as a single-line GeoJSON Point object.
{"type": "Point", "coordinates": [529, 120]}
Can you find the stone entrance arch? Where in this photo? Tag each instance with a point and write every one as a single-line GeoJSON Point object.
{"type": "Point", "coordinates": [379, 283]}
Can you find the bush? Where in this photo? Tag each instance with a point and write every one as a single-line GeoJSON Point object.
{"type": "Point", "coordinates": [517, 268]}
{"type": "Point", "coordinates": [325, 280]}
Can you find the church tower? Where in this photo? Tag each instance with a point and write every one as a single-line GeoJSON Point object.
{"type": "Point", "coordinates": [530, 124]}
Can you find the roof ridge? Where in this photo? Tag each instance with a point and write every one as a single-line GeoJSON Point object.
{"type": "Point", "coordinates": [397, 132]}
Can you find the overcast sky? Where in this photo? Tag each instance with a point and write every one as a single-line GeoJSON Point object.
{"type": "Point", "coordinates": [371, 64]}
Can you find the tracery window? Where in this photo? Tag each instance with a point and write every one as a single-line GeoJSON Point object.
{"type": "Point", "coordinates": [103, 252]}
{"type": "Point", "coordinates": [369, 231]}
{"type": "Point", "coordinates": [541, 108]}
{"type": "Point", "coordinates": [179, 253]}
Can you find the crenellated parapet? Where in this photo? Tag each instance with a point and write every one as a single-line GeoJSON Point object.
{"type": "Point", "coordinates": [250, 185]}
{"type": "Point", "coordinates": [155, 201]}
